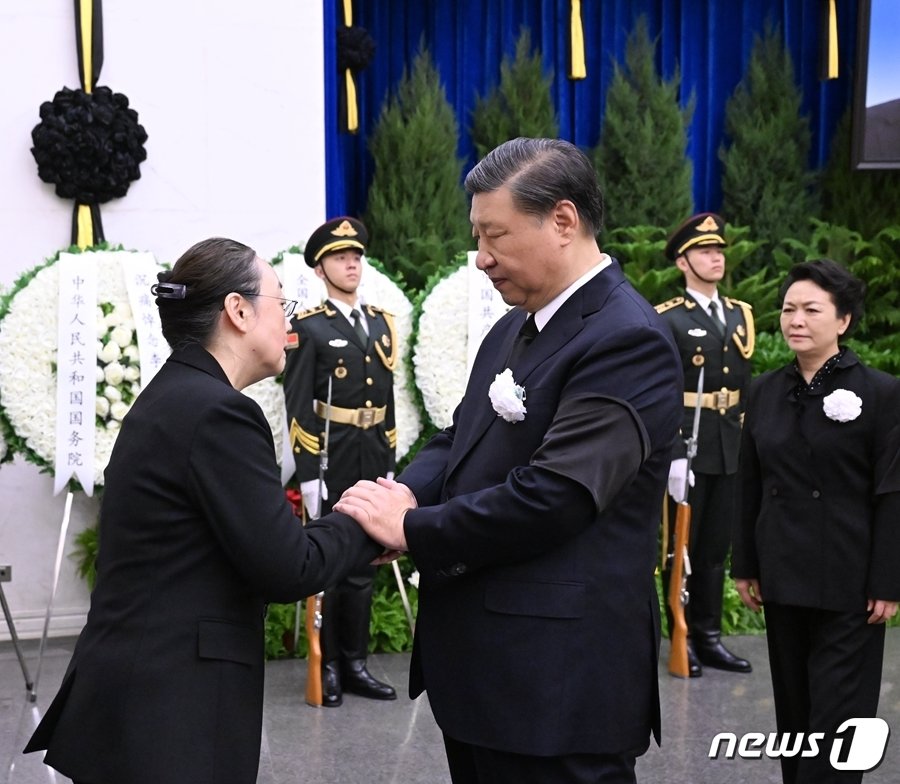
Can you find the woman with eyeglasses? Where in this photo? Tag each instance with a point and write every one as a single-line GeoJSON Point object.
{"type": "Point", "coordinates": [196, 536]}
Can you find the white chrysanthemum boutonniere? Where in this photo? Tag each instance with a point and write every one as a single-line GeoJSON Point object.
{"type": "Point", "coordinates": [842, 405]}
{"type": "Point", "coordinates": [507, 397]}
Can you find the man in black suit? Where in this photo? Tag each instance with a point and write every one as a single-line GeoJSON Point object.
{"type": "Point", "coordinates": [716, 334]}
{"type": "Point", "coordinates": [533, 517]}
{"type": "Point", "coordinates": [354, 346]}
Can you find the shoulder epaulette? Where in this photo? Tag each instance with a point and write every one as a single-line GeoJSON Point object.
{"type": "Point", "coordinates": [742, 305]}
{"type": "Point", "coordinates": [311, 312]}
{"type": "Point", "coordinates": [672, 303]}
{"type": "Point", "coordinates": [376, 309]}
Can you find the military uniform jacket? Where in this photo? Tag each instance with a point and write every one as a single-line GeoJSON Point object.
{"type": "Point", "coordinates": [166, 681]}
{"type": "Point", "coordinates": [727, 365]}
{"type": "Point", "coordinates": [327, 347]}
{"type": "Point", "coordinates": [820, 523]}
{"type": "Point", "coordinates": [538, 624]}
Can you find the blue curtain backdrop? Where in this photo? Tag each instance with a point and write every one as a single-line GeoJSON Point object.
{"type": "Point", "coordinates": [710, 40]}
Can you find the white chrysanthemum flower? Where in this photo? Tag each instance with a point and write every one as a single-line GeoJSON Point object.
{"type": "Point", "coordinates": [122, 336]}
{"type": "Point", "coordinates": [110, 352]}
{"type": "Point", "coordinates": [842, 405]}
{"type": "Point", "coordinates": [441, 349]}
{"type": "Point", "coordinates": [507, 397]}
{"type": "Point", "coordinates": [114, 374]}
{"type": "Point", "coordinates": [118, 410]}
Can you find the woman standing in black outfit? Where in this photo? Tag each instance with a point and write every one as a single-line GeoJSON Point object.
{"type": "Point", "coordinates": [819, 535]}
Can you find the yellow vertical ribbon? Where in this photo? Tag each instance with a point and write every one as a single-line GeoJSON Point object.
{"type": "Point", "coordinates": [86, 14]}
{"type": "Point", "coordinates": [84, 234]}
{"type": "Point", "coordinates": [577, 67]}
{"type": "Point", "coordinates": [349, 82]}
{"type": "Point", "coordinates": [84, 222]}
{"type": "Point", "coordinates": [832, 41]}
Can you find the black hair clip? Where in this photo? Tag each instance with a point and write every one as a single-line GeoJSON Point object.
{"type": "Point", "coordinates": [169, 290]}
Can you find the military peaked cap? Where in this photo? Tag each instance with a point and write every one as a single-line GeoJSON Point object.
{"type": "Point", "coordinates": [336, 234]}
{"type": "Point", "coordinates": [706, 228]}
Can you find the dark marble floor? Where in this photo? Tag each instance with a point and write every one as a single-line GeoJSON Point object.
{"type": "Point", "coordinates": [382, 742]}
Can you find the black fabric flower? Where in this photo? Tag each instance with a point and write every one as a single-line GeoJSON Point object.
{"type": "Point", "coordinates": [89, 145]}
{"type": "Point", "coordinates": [355, 48]}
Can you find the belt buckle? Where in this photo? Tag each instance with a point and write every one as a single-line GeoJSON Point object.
{"type": "Point", "coordinates": [721, 398]}
{"type": "Point", "coordinates": [365, 417]}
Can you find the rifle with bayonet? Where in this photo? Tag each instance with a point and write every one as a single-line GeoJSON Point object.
{"type": "Point", "coordinates": [681, 563]}
{"type": "Point", "coordinates": [314, 604]}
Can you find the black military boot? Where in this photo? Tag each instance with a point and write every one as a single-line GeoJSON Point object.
{"type": "Point", "coordinates": [694, 668]}
{"type": "Point", "coordinates": [706, 621]}
{"type": "Point", "coordinates": [332, 694]}
{"type": "Point", "coordinates": [356, 608]}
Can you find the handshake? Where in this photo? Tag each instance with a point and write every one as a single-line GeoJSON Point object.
{"type": "Point", "coordinates": [379, 507]}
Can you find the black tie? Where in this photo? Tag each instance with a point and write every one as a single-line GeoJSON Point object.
{"type": "Point", "coordinates": [714, 313]}
{"type": "Point", "coordinates": [526, 334]}
{"type": "Point", "coordinates": [358, 327]}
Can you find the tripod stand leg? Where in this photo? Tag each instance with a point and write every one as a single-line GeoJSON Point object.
{"type": "Point", "coordinates": [29, 684]}
{"type": "Point", "coordinates": [60, 548]}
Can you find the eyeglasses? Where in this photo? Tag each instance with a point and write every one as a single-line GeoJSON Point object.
{"type": "Point", "coordinates": [289, 305]}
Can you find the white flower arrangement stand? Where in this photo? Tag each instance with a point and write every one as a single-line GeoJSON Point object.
{"type": "Point", "coordinates": [5, 576]}
{"type": "Point", "coordinates": [60, 548]}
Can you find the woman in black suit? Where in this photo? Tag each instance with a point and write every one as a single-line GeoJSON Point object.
{"type": "Point", "coordinates": [166, 681]}
{"type": "Point", "coordinates": [820, 530]}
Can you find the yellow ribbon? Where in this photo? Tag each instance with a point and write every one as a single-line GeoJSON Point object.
{"type": "Point", "coordinates": [352, 112]}
{"type": "Point", "coordinates": [86, 13]}
{"type": "Point", "coordinates": [577, 68]}
{"type": "Point", "coordinates": [832, 41]}
{"type": "Point", "coordinates": [349, 82]}
{"type": "Point", "coordinates": [84, 236]}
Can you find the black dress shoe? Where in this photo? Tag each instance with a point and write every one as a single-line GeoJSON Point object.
{"type": "Point", "coordinates": [358, 680]}
{"type": "Point", "coordinates": [694, 668]}
{"type": "Point", "coordinates": [712, 653]}
{"type": "Point", "coordinates": [331, 685]}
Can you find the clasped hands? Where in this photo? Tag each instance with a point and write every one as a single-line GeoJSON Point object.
{"type": "Point", "coordinates": [380, 507]}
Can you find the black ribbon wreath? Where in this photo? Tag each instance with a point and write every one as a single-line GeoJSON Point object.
{"type": "Point", "coordinates": [355, 48]}
{"type": "Point", "coordinates": [89, 145]}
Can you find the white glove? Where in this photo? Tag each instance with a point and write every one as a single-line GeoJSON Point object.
{"type": "Point", "coordinates": [311, 499]}
{"type": "Point", "coordinates": [677, 472]}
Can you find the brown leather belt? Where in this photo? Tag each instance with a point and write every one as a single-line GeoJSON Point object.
{"type": "Point", "coordinates": [721, 400]}
{"type": "Point", "coordinates": [358, 417]}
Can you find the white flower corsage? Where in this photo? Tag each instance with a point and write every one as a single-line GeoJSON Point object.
{"type": "Point", "coordinates": [842, 405]}
{"type": "Point", "coordinates": [507, 397]}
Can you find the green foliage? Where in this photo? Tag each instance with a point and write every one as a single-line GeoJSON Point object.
{"type": "Point", "coordinates": [417, 212]}
{"type": "Point", "coordinates": [766, 183]}
{"type": "Point", "coordinates": [520, 106]}
{"type": "Point", "coordinates": [641, 156]}
{"type": "Point", "coordinates": [639, 249]}
{"type": "Point", "coordinates": [388, 627]}
{"type": "Point", "coordinates": [864, 199]}
{"type": "Point", "coordinates": [280, 625]}
{"type": "Point", "coordinates": [87, 542]}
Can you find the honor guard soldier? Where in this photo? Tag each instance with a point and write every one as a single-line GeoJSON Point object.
{"type": "Point", "coordinates": [339, 381]}
{"type": "Point", "coordinates": [717, 334]}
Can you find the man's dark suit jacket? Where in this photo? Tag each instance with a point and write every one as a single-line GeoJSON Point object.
{"type": "Point", "coordinates": [820, 498]}
{"type": "Point", "coordinates": [166, 682]}
{"type": "Point", "coordinates": [538, 627]}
